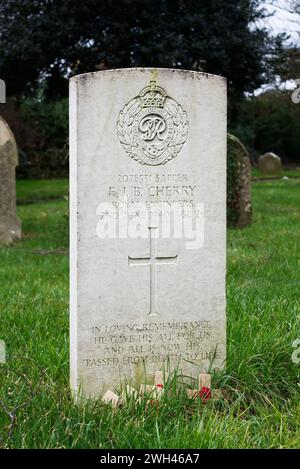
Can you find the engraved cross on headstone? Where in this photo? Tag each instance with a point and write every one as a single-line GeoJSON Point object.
{"type": "Point", "coordinates": [153, 260]}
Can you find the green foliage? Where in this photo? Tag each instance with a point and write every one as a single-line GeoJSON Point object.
{"type": "Point", "coordinates": [245, 133]}
{"type": "Point", "coordinates": [49, 41]}
{"type": "Point", "coordinates": [274, 120]}
{"type": "Point", "coordinates": [261, 406]}
{"type": "Point", "coordinates": [287, 64]}
{"type": "Point", "coordinates": [51, 120]}
{"type": "Point", "coordinates": [41, 130]}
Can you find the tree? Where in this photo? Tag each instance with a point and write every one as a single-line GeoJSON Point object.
{"type": "Point", "coordinates": [287, 64]}
{"type": "Point", "coordinates": [274, 122]}
{"type": "Point", "coordinates": [46, 41]}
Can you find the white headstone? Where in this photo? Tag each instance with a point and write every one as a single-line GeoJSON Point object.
{"type": "Point", "coordinates": [148, 225]}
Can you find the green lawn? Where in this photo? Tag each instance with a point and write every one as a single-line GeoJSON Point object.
{"type": "Point", "coordinates": [285, 172]}
{"type": "Point", "coordinates": [261, 405]}
{"type": "Point", "coordinates": [37, 190]}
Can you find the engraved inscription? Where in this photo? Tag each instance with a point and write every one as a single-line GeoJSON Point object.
{"type": "Point", "coordinates": [152, 127]}
{"type": "Point", "coordinates": [151, 342]}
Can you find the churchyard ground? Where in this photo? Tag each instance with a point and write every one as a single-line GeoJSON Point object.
{"type": "Point", "coordinates": [260, 407]}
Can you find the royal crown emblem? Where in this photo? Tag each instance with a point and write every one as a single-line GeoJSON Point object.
{"type": "Point", "coordinates": [152, 127]}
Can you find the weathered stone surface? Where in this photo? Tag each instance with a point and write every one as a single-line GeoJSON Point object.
{"type": "Point", "coordinates": [148, 153]}
{"type": "Point", "coordinates": [239, 208]}
{"type": "Point", "coordinates": [269, 163]}
{"type": "Point", "coordinates": [10, 225]}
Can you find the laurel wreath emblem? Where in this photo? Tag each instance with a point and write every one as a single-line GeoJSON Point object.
{"type": "Point", "coordinates": [130, 141]}
{"type": "Point", "coordinates": [124, 124]}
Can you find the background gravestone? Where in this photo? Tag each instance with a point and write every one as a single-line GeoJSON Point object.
{"type": "Point", "coordinates": [10, 225]}
{"type": "Point", "coordinates": [239, 208]}
{"type": "Point", "coordinates": [148, 146]}
{"type": "Point", "coordinates": [269, 163]}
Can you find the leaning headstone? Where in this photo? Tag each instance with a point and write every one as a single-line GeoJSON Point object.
{"type": "Point", "coordinates": [239, 208]}
{"type": "Point", "coordinates": [10, 225]}
{"type": "Point", "coordinates": [148, 226]}
{"type": "Point", "coordinates": [269, 163]}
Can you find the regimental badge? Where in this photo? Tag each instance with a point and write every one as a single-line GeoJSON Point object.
{"type": "Point", "coordinates": [152, 127]}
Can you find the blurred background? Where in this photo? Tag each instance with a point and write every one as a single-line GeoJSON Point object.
{"type": "Point", "coordinates": [254, 43]}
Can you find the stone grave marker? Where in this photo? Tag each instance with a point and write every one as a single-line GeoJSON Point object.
{"type": "Point", "coordinates": [269, 163]}
{"type": "Point", "coordinates": [239, 206]}
{"type": "Point", "coordinates": [148, 226]}
{"type": "Point", "coordinates": [10, 225]}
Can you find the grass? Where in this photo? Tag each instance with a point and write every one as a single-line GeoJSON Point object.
{"type": "Point", "coordinates": [39, 190]}
{"type": "Point", "coordinates": [285, 172]}
{"type": "Point", "coordinates": [261, 407]}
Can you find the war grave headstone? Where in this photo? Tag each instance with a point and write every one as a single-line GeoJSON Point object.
{"type": "Point", "coordinates": [148, 226]}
